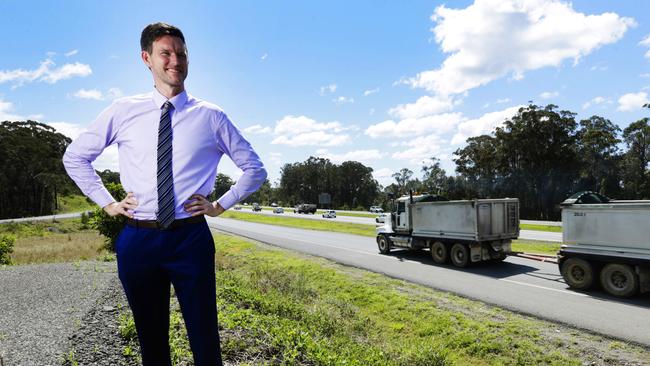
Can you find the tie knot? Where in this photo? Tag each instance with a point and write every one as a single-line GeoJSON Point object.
{"type": "Point", "coordinates": [167, 106]}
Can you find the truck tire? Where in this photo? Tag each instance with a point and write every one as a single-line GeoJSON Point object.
{"type": "Point", "coordinates": [459, 255]}
{"type": "Point", "coordinates": [384, 244]}
{"type": "Point", "coordinates": [619, 280]}
{"type": "Point", "coordinates": [578, 273]}
{"type": "Point", "coordinates": [439, 252]}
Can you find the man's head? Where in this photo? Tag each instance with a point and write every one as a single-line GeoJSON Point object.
{"type": "Point", "coordinates": [165, 54]}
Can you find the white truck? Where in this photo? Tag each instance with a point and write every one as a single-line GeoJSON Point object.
{"type": "Point", "coordinates": [462, 232]}
{"type": "Point", "coordinates": [608, 240]}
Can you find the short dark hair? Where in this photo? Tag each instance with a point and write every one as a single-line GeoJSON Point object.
{"type": "Point", "coordinates": [154, 31]}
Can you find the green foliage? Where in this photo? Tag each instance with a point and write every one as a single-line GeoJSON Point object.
{"type": "Point", "coordinates": [221, 185]}
{"type": "Point", "coordinates": [74, 203]}
{"type": "Point", "coordinates": [108, 226]}
{"type": "Point", "coordinates": [6, 248]}
{"type": "Point", "coordinates": [32, 170]}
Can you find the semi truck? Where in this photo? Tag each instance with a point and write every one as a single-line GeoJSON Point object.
{"type": "Point", "coordinates": [306, 208]}
{"type": "Point", "coordinates": [462, 231]}
{"type": "Point", "coordinates": [605, 241]}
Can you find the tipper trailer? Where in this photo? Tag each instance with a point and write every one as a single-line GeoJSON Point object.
{"type": "Point", "coordinates": [462, 232]}
{"type": "Point", "coordinates": [606, 241]}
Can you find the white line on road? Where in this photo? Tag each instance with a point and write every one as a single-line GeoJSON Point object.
{"type": "Point", "coordinates": [543, 288]}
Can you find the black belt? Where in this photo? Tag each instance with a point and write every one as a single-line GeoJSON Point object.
{"type": "Point", "coordinates": [153, 224]}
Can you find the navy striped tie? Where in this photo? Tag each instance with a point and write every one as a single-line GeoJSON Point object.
{"type": "Point", "coordinates": [166, 206]}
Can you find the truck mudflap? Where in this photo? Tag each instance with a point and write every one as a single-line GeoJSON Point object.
{"type": "Point", "coordinates": [644, 278]}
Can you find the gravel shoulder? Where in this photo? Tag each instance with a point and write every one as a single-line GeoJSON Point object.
{"type": "Point", "coordinates": [42, 305]}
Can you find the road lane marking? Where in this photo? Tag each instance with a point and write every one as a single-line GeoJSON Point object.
{"type": "Point", "coordinates": [544, 288]}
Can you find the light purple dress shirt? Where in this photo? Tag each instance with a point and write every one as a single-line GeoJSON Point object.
{"type": "Point", "coordinates": [202, 134]}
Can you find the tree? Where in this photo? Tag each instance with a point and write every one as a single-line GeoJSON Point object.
{"type": "Point", "coordinates": [109, 176]}
{"type": "Point", "coordinates": [32, 171]}
{"type": "Point", "coordinates": [356, 187]}
{"type": "Point", "coordinates": [222, 184]}
{"type": "Point", "coordinates": [403, 177]}
{"type": "Point", "coordinates": [635, 160]}
{"type": "Point", "coordinates": [599, 156]}
{"type": "Point", "coordinates": [434, 178]}
{"type": "Point", "coordinates": [477, 163]}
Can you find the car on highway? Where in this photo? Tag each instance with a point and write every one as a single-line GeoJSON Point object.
{"type": "Point", "coordinates": [237, 207]}
{"type": "Point", "coordinates": [256, 207]}
{"type": "Point", "coordinates": [329, 214]}
{"type": "Point", "coordinates": [376, 209]}
{"type": "Point", "coordinates": [274, 204]}
{"type": "Point", "coordinates": [381, 218]}
{"type": "Point", "coordinates": [278, 210]}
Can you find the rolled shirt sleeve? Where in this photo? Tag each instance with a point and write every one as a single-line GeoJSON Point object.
{"type": "Point", "coordinates": [80, 154]}
{"type": "Point", "coordinates": [240, 151]}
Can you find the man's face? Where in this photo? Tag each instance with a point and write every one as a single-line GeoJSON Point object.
{"type": "Point", "coordinates": [168, 62]}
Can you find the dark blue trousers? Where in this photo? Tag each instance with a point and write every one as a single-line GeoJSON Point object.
{"type": "Point", "coordinates": [148, 261]}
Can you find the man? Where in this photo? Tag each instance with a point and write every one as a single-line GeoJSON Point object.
{"type": "Point", "coordinates": [169, 144]}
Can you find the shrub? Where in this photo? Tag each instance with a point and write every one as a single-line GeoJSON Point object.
{"type": "Point", "coordinates": [85, 221]}
{"type": "Point", "coordinates": [108, 226]}
{"type": "Point", "coordinates": [6, 248]}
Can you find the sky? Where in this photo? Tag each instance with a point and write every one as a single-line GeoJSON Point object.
{"type": "Point", "coordinates": [391, 84]}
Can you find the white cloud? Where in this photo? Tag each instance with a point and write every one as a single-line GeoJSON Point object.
{"type": "Point", "coordinates": [483, 125]}
{"type": "Point", "coordinates": [504, 100]}
{"type": "Point", "coordinates": [258, 129]}
{"type": "Point", "coordinates": [6, 113]}
{"type": "Point", "coordinates": [421, 148]}
{"type": "Point", "coordinates": [632, 101]}
{"type": "Point", "coordinates": [71, 53]}
{"type": "Point", "coordinates": [304, 131]}
{"type": "Point", "coordinates": [275, 158]}
{"type": "Point", "coordinates": [264, 56]}
{"type": "Point", "coordinates": [328, 89]}
{"type": "Point", "coordinates": [549, 95]}
{"type": "Point", "coordinates": [370, 91]}
{"type": "Point", "coordinates": [494, 38]}
{"type": "Point", "coordinates": [371, 111]}
{"type": "Point", "coordinates": [645, 41]}
{"type": "Point", "coordinates": [645, 75]}
{"type": "Point", "coordinates": [363, 156]}
{"type": "Point", "coordinates": [424, 106]}
{"type": "Point", "coordinates": [440, 124]}
{"type": "Point", "coordinates": [382, 173]}
{"type": "Point", "coordinates": [45, 72]}
{"type": "Point", "coordinates": [88, 94]}
{"type": "Point", "coordinates": [114, 93]}
{"type": "Point", "coordinates": [343, 100]}
{"type": "Point", "coordinates": [71, 130]}
{"type": "Point", "coordinates": [596, 101]}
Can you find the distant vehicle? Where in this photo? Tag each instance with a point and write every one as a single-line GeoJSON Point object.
{"type": "Point", "coordinates": [274, 204]}
{"type": "Point", "coordinates": [256, 207]}
{"type": "Point", "coordinates": [237, 207]}
{"type": "Point", "coordinates": [376, 209]}
{"type": "Point", "coordinates": [306, 208]}
{"type": "Point", "coordinates": [329, 214]}
{"type": "Point", "coordinates": [381, 218]}
{"type": "Point", "coordinates": [278, 210]}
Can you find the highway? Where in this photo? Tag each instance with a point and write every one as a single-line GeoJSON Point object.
{"type": "Point", "coordinates": [518, 284]}
{"type": "Point", "coordinates": [523, 234]}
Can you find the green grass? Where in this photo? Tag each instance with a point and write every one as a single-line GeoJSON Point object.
{"type": "Point", "coordinates": [74, 203]}
{"type": "Point", "coordinates": [281, 308]}
{"type": "Point", "coordinates": [535, 247]}
{"type": "Point", "coordinates": [42, 228]}
{"type": "Point", "coordinates": [322, 225]}
{"type": "Point", "coordinates": [549, 228]}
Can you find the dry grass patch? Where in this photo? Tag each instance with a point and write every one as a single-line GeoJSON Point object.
{"type": "Point", "coordinates": [84, 245]}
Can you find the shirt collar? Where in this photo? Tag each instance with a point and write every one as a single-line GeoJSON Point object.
{"type": "Point", "coordinates": [178, 101]}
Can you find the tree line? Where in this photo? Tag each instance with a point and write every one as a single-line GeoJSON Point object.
{"type": "Point", "coordinates": [541, 155]}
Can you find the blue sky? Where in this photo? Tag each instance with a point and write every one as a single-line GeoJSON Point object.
{"type": "Point", "coordinates": [387, 83]}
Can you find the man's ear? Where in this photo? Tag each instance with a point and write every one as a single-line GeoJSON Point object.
{"type": "Point", "coordinates": [146, 58]}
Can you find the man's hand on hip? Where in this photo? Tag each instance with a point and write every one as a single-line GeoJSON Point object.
{"type": "Point", "coordinates": [201, 206]}
{"type": "Point", "coordinates": [122, 207]}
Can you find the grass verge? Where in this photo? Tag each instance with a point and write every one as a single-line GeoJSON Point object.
{"type": "Point", "coordinates": [279, 307]}
{"type": "Point", "coordinates": [53, 241]}
{"type": "Point", "coordinates": [519, 245]}
{"type": "Point", "coordinates": [549, 228]}
{"type": "Point", "coordinates": [74, 203]}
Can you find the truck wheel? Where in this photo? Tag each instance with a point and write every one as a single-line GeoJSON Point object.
{"type": "Point", "coordinates": [384, 244]}
{"type": "Point", "coordinates": [439, 252]}
{"type": "Point", "coordinates": [619, 280]}
{"type": "Point", "coordinates": [459, 255]}
{"type": "Point", "coordinates": [577, 273]}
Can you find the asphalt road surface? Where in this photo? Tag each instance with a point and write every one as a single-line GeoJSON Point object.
{"type": "Point", "coordinates": [518, 284]}
{"type": "Point", "coordinates": [523, 234]}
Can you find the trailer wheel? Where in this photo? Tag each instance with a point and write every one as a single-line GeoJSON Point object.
{"type": "Point", "coordinates": [384, 244]}
{"type": "Point", "coordinates": [577, 273]}
{"type": "Point", "coordinates": [439, 252]}
{"type": "Point", "coordinates": [619, 280]}
{"type": "Point", "coordinates": [459, 255]}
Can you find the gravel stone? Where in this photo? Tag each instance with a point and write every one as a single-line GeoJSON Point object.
{"type": "Point", "coordinates": [41, 305]}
